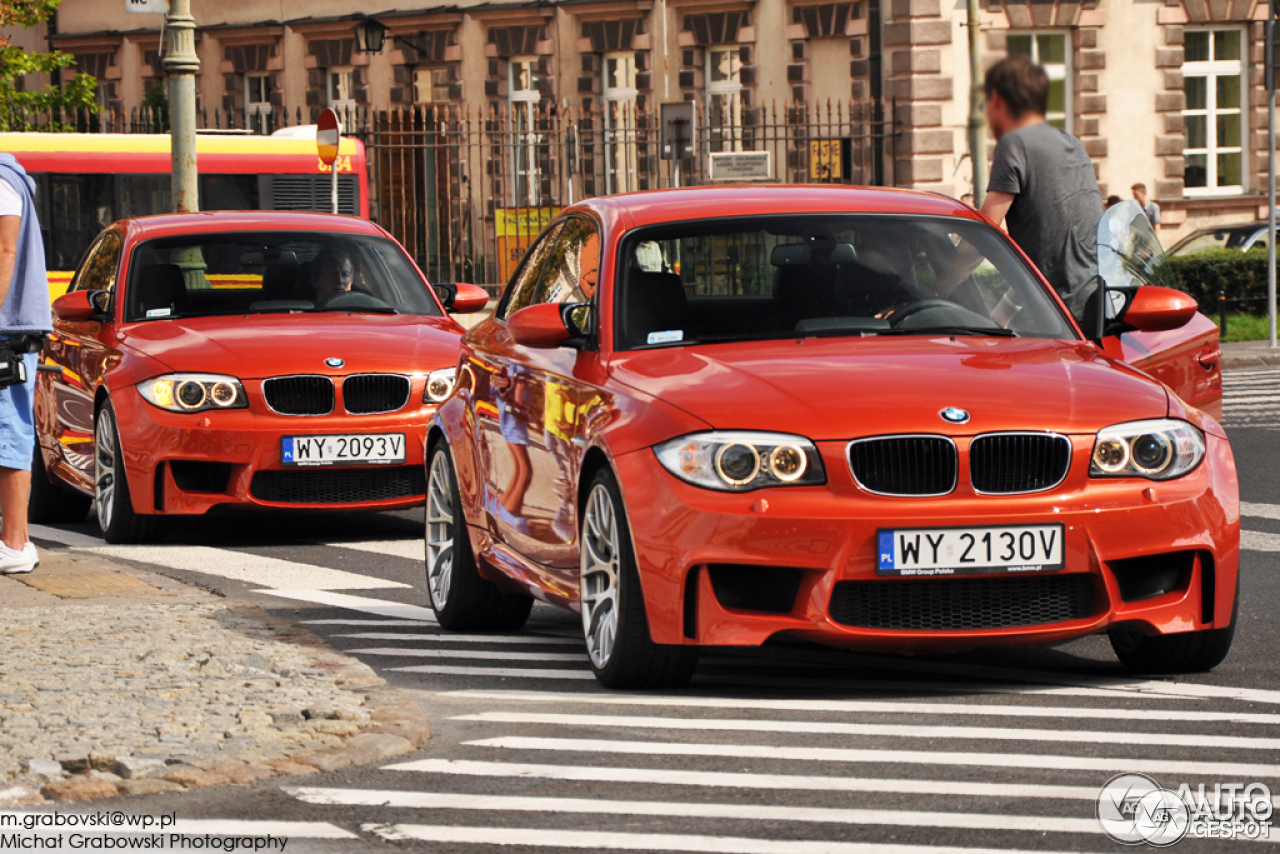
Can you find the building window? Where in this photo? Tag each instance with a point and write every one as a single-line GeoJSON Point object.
{"type": "Point", "coordinates": [619, 92]}
{"type": "Point", "coordinates": [1049, 50]}
{"type": "Point", "coordinates": [430, 85]}
{"type": "Point", "coordinates": [341, 87]}
{"type": "Point", "coordinates": [524, 94]}
{"type": "Point", "coordinates": [724, 98]}
{"type": "Point", "coordinates": [1213, 121]}
{"type": "Point", "coordinates": [257, 101]}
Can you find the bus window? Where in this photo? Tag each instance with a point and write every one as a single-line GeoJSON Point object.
{"type": "Point", "coordinates": [229, 192]}
{"type": "Point", "coordinates": [143, 195]}
{"type": "Point", "coordinates": [82, 205]}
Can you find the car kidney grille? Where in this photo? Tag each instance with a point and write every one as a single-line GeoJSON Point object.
{"type": "Point", "coordinates": [904, 465]}
{"type": "Point", "coordinates": [956, 604]}
{"type": "Point", "coordinates": [303, 395]}
{"type": "Point", "coordinates": [367, 394]}
{"type": "Point", "coordinates": [1018, 462]}
{"type": "Point", "coordinates": [338, 486]}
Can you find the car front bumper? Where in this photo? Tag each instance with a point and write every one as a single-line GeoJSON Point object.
{"type": "Point", "coordinates": [189, 463]}
{"type": "Point", "coordinates": [701, 554]}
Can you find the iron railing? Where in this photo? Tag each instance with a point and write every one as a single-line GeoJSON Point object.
{"type": "Point", "coordinates": [466, 189]}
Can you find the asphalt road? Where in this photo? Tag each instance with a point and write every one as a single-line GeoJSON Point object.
{"type": "Point", "coordinates": [786, 749]}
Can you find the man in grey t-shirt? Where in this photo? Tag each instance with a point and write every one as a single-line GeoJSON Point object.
{"type": "Point", "coordinates": [1042, 184]}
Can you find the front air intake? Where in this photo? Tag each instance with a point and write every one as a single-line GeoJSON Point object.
{"type": "Point", "coordinates": [904, 465]}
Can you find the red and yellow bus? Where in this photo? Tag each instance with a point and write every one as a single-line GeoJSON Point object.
{"type": "Point", "coordinates": [85, 182]}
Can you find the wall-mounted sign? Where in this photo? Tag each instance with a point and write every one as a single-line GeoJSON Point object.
{"type": "Point", "coordinates": [828, 160]}
{"type": "Point", "coordinates": [741, 166]}
{"type": "Point", "coordinates": [152, 7]}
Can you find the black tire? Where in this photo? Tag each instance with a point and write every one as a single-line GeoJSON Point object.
{"type": "Point", "coordinates": [632, 659]}
{"type": "Point", "coordinates": [461, 599]}
{"type": "Point", "coordinates": [1185, 652]}
{"type": "Point", "coordinates": [119, 522]}
{"type": "Point", "coordinates": [53, 503]}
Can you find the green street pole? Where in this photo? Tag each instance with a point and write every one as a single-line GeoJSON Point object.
{"type": "Point", "coordinates": [977, 118]}
{"type": "Point", "coordinates": [181, 64]}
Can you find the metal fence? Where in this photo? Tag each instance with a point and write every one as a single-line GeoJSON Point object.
{"type": "Point", "coordinates": [466, 189]}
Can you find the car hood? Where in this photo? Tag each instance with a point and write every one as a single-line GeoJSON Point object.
{"type": "Point", "coordinates": [841, 389]}
{"type": "Point", "coordinates": [265, 345]}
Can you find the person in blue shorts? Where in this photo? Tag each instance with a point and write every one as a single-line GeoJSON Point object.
{"type": "Point", "coordinates": [24, 310]}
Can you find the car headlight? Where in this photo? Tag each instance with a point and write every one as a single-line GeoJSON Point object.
{"type": "Point", "coordinates": [194, 392]}
{"type": "Point", "coordinates": [1160, 449]}
{"type": "Point", "coordinates": [439, 385]}
{"type": "Point", "coordinates": [740, 461]}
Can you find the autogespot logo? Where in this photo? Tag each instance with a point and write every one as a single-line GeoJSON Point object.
{"type": "Point", "coordinates": [1133, 808]}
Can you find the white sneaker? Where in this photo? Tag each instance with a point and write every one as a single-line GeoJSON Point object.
{"type": "Point", "coordinates": [18, 562]}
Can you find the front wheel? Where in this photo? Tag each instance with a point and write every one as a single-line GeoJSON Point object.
{"type": "Point", "coordinates": [621, 652]}
{"type": "Point", "coordinates": [1185, 652]}
{"type": "Point", "coordinates": [462, 600]}
{"type": "Point", "coordinates": [120, 523]}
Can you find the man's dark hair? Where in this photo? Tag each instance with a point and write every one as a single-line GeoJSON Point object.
{"type": "Point", "coordinates": [1022, 84]}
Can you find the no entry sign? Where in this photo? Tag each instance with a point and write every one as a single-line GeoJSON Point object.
{"type": "Point", "coordinates": [328, 133]}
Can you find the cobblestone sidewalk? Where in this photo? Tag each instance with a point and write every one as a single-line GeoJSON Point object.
{"type": "Point", "coordinates": [115, 681]}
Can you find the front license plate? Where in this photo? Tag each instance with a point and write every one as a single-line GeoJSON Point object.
{"type": "Point", "coordinates": [959, 551]}
{"type": "Point", "coordinates": [352, 449]}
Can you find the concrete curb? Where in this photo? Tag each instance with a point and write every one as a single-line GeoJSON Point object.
{"type": "Point", "coordinates": [1230, 363]}
{"type": "Point", "coordinates": [394, 726]}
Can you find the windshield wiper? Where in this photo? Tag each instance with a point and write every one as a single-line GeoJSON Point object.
{"type": "Point", "coordinates": [364, 309]}
{"type": "Point", "coordinates": [992, 331]}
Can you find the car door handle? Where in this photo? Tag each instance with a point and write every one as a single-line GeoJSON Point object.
{"type": "Point", "coordinates": [1210, 357]}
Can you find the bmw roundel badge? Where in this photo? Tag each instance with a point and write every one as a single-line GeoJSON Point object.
{"type": "Point", "coordinates": [954, 415]}
{"type": "Point", "coordinates": [335, 362]}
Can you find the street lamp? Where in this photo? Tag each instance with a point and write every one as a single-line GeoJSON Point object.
{"type": "Point", "coordinates": [371, 34]}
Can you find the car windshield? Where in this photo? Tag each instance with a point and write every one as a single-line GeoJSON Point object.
{"type": "Point", "coordinates": [743, 279]}
{"type": "Point", "coordinates": [273, 272]}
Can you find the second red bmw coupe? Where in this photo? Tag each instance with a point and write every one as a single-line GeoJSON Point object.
{"type": "Point", "coordinates": [858, 417]}
{"type": "Point", "coordinates": [268, 359]}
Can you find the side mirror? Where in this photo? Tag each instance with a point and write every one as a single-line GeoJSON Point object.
{"type": "Point", "coordinates": [542, 326]}
{"type": "Point", "coordinates": [462, 298]}
{"type": "Point", "coordinates": [81, 305]}
{"type": "Point", "coordinates": [1155, 309]}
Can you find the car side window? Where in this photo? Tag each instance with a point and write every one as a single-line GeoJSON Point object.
{"type": "Point", "coordinates": [98, 272]}
{"type": "Point", "coordinates": [520, 293]}
{"type": "Point", "coordinates": [573, 266]}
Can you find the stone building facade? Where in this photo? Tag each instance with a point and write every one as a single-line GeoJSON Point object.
{"type": "Point", "coordinates": [1164, 92]}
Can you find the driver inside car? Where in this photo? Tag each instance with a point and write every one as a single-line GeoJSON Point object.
{"type": "Point", "coordinates": [332, 275]}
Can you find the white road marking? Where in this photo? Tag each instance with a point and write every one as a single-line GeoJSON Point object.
{"type": "Point", "coordinates": [617, 841]}
{"type": "Point", "coordinates": [478, 654]}
{"type": "Point", "coordinates": [1212, 770]}
{"type": "Point", "coordinates": [915, 710]}
{"type": "Point", "coordinates": [1262, 511]}
{"type": "Point", "coordinates": [1159, 739]}
{"type": "Point", "coordinates": [743, 780]}
{"type": "Point", "coordinates": [1148, 687]}
{"type": "Point", "coordinates": [677, 809]}
{"type": "Point", "coordinates": [240, 566]}
{"type": "Point", "coordinates": [504, 672]}
{"type": "Point", "coordinates": [368, 623]}
{"type": "Point", "coordinates": [407, 549]}
{"type": "Point", "coordinates": [367, 605]}
{"type": "Point", "coordinates": [1259, 541]}
{"type": "Point", "coordinates": [448, 638]}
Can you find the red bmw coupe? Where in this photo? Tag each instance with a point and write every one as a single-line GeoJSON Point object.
{"type": "Point", "coordinates": [859, 417]}
{"type": "Point", "coordinates": [272, 359]}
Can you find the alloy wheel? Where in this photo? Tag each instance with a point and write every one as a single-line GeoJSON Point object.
{"type": "Point", "coordinates": [440, 530]}
{"type": "Point", "coordinates": [104, 480]}
{"type": "Point", "coordinates": [600, 569]}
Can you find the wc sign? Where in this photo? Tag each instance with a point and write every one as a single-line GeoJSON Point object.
{"type": "Point", "coordinates": [155, 7]}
